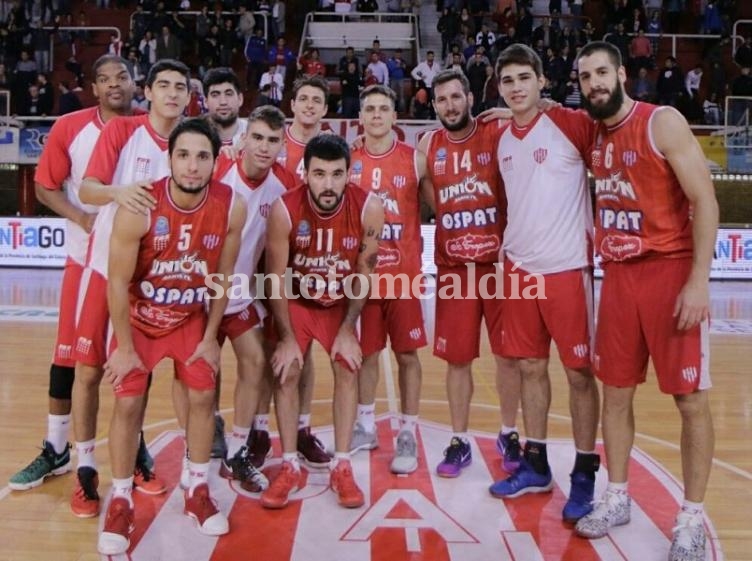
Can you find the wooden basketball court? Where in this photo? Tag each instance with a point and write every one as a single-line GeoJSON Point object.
{"type": "Point", "coordinates": [37, 524]}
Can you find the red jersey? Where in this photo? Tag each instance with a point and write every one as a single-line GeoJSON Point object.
{"type": "Point", "coordinates": [470, 201]}
{"type": "Point", "coordinates": [324, 246]}
{"type": "Point", "coordinates": [178, 251]}
{"type": "Point", "coordinates": [291, 156]}
{"type": "Point", "coordinates": [641, 209]}
{"type": "Point", "coordinates": [393, 177]}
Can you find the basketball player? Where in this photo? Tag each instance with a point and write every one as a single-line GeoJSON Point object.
{"type": "Point", "coordinates": [547, 245]}
{"type": "Point", "coordinates": [57, 181]}
{"type": "Point", "coordinates": [470, 218]}
{"type": "Point", "coordinates": [391, 170]}
{"type": "Point", "coordinates": [194, 230]}
{"type": "Point", "coordinates": [325, 236]}
{"type": "Point", "coordinates": [656, 225]}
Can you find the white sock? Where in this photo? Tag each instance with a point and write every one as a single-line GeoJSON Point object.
{"type": "Point", "coordinates": [340, 457]}
{"type": "Point", "coordinates": [463, 436]}
{"type": "Point", "coordinates": [123, 488]}
{"type": "Point", "coordinates": [694, 509]}
{"type": "Point", "coordinates": [304, 421]}
{"type": "Point", "coordinates": [237, 440]}
{"type": "Point", "coordinates": [508, 430]}
{"type": "Point", "coordinates": [617, 488]}
{"type": "Point", "coordinates": [366, 416]}
{"type": "Point", "coordinates": [292, 459]}
{"type": "Point", "coordinates": [85, 452]}
{"type": "Point", "coordinates": [198, 474]}
{"type": "Point", "coordinates": [409, 422]}
{"type": "Point", "coordinates": [58, 428]}
{"type": "Point", "coordinates": [261, 422]}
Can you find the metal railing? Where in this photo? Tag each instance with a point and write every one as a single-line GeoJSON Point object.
{"type": "Point", "coordinates": [672, 36]}
{"type": "Point", "coordinates": [71, 28]}
{"type": "Point", "coordinates": [735, 34]}
{"type": "Point", "coordinates": [264, 16]}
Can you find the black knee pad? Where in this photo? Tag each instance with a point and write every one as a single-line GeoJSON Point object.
{"type": "Point", "coordinates": [61, 381]}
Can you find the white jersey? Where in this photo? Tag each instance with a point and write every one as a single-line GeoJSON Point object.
{"type": "Point", "coordinates": [237, 138]}
{"type": "Point", "coordinates": [549, 212]}
{"type": "Point", "coordinates": [258, 196]}
{"type": "Point", "coordinates": [128, 150]}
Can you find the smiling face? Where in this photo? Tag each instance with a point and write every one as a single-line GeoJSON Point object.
{"type": "Point", "coordinates": [520, 88]}
{"type": "Point", "coordinates": [168, 94]}
{"type": "Point", "coordinates": [452, 105]}
{"type": "Point", "coordinates": [309, 106]}
{"type": "Point", "coordinates": [602, 85]}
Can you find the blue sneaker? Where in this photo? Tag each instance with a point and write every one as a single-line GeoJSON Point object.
{"type": "Point", "coordinates": [508, 446]}
{"type": "Point", "coordinates": [456, 457]}
{"type": "Point", "coordinates": [580, 502]}
{"type": "Point", "coordinates": [524, 480]}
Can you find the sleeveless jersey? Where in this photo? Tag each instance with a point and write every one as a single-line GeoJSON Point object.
{"type": "Point", "coordinates": [393, 177]}
{"type": "Point", "coordinates": [641, 210]}
{"type": "Point", "coordinates": [324, 246]}
{"type": "Point", "coordinates": [178, 251]}
{"type": "Point", "coordinates": [128, 150]}
{"type": "Point", "coordinates": [291, 156]}
{"type": "Point", "coordinates": [470, 201]}
{"type": "Point", "coordinates": [258, 196]}
{"type": "Point", "coordinates": [550, 216]}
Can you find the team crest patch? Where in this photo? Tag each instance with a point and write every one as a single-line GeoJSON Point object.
{"type": "Point", "coordinates": [303, 235]}
{"type": "Point", "coordinates": [439, 165]}
{"type": "Point", "coordinates": [629, 158]}
{"type": "Point", "coordinates": [506, 163]}
{"type": "Point", "coordinates": [483, 158]}
{"type": "Point", "coordinates": [264, 210]}
{"type": "Point", "coordinates": [211, 241]}
{"type": "Point", "coordinates": [540, 155]}
{"type": "Point", "coordinates": [356, 171]}
{"type": "Point", "coordinates": [399, 181]}
{"type": "Point", "coordinates": [350, 242]}
{"type": "Point", "coordinates": [161, 233]}
{"type": "Point", "coordinates": [142, 168]}
{"type": "Point", "coordinates": [282, 157]}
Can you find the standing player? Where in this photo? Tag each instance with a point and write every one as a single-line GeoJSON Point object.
{"type": "Point", "coordinates": [224, 98]}
{"type": "Point", "coordinates": [470, 219]}
{"type": "Point", "coordinates": [656, 225]}
{"type": "Point", "coordinates": [57, 182]}
{"type": "Point", "coordinates": [391, 170]}
{"type": "Point", "coordinates": [157, 295]}
{"type": "Point", "coordinates": [547, 242]}
{"type": "Point", "coordinates": [326, 235]}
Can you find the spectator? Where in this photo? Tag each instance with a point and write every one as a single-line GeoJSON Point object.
{"type": "Point", "coordinates": [168, 45]}
{"type": "Point", "coordinates": [420, 105]}
{"type": "Point", "coordinates": [209, 47]}
{"type": "Point", "coordinates": [367, 6]}
{"type": "Point", "coordinates": [718, 84]}
{"type": "Point", "coordinates": [350, 83]}
{"type": "Point", "coordinates": [504, 20]}
{"type": "Point", "coordinates": [655, 28]}
{"type": "Point", "coordinates": [742, 84]}
{"type": "Point", "coordinates": [255, 55]}
{"type": "Point", "coordinates": [490, 89]}
{"type": "Point", "coordinates": [148, 50]}
{"type": "Point", "coordinates": [525, 25]}
{"type": "Point", "coordinates": [369, 79]}
{"type": "Point", "coordinates": [340, 6]}
{"type": "Point", "coordinates": [129, 43]}
{"type": "Point", "coordinates": [637, 21]}
{"type": "Point", "coordinates": [281, 57]}
{"type": "Point", "coordinates": [227, 43]}
{"type": "Point", "coordinates": [485, 38]}
{"type": "Point", "coordinates": [274, 79]}
{"type": "Point", "coordinates": [397, 73]}
{"type": "Point", "coordinates": [467, 22]}
{"type": "Point", "coordinates": [575, 8]}
{"type": "Point", "coordinates": [46, 94]}
{"type": "Point", "coordinates": [711, 19]}
{"type": "Point", "coordinates": [68, 102]}
{"type": "Point", "coordinates": [29, 105]}
{"type": "Point", "coordinates": [278, 18]}
{"type": "Point", "coordinates": [376, 48]}
{"type": "Point", "coordinates": [203, 23]}
{"type": "Point", "coordinates": [640, 53]}
{"type": "Point", "coordinates": [547, 33]}
{"type": "Point", "coordinates": [115, 46]}
{"type": "Point", "coordinates": [670, 83]}
{"type": "Point", "coordinates": [743, 55]}
{"type": "Point", "coordinates": [40, 41]}
{"type": "Point", "coordinates": [469, 50]}
{"type": "Point", "coordinates": [457, 63]}
{"type": "Point", "coordinates": [134, 66]}
{"type": "Point", "coordinates": [621, 40]}
{"type": "Point", "coordinates": [588, 32]}
{"type": "Point", "coordinates": [447, 26]}
{"type": "Point", "coordinates": [379, 70]}
{"type": "Point", "coordinates": [643, 88]}
{"type": "Point", "coordinates": [693, 80]}
{"type": "Point", "coordinates": [196, 102]}
{"type": "Point", "coordinates": [673, 14]}
{"type": "Point", "coordinates": [449, 61]}
{"type": "Point", "coordinates": [712, 110]}
{"type": "Point", "coordinates": [246, 23]}
{"type": "Point", "coordinates": [139, 100]}
{"type": "Point", "coordinates": [310, 63]}
{"type": "Point", "coordinates": [25, 73]}
{"type": "Point", "coordinates": [425, 72]}
{"type": "Point", "coordinates": [476, 75]}
{"type": "Point", "coordinates": [139, 22]}
{"type": "Point", "coordinates": [347, 59]}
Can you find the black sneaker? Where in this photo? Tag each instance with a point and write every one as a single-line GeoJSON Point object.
{"type": "Point", "coordinates": [240, 468]}
{"type": "Point", "coordinates": [219, 444]}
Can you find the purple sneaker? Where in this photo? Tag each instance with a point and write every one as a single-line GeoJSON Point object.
{"type": "Point", "coordinates": [456, 457]}
{"type": "Point", "coordinates": [508, 446]}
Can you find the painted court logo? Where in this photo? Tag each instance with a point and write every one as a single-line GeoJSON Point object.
{"type": "Point", "coordinates": [420, 517]}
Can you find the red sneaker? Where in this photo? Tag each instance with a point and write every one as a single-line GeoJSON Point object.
{"type": "Point", "coordinates": [343, 483]}
{"type": "Point", "coordinates": [147, 482]}
{"type": "Point", "coordinates": [284, 485]}
{"type": "Point", "coordinates": [202, 508]}
{"type": "Point", "coordinates": [118, 525]}
{"type": "Point", "coordinates": [85, 499]}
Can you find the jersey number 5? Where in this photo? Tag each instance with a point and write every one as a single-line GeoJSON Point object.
{"type": "Point", "coordinates": [184, 242]}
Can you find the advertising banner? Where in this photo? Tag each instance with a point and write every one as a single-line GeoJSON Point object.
{"type": "Point", "coordinates": [31, 142]}
{"type": "Point", "coordinates": [32, 242]}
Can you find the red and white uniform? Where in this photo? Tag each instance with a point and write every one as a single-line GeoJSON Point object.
{"type": "Point", "coordinates": [128, 150]}
{"type": "Point", "coordinates": [393, 177]}
{"type": "Point", "coordinates": [243, 312]}
{"type": "Point", "coordinates": [323, 252]}
{"type": "Point", "coordinates": [470, 221]}
{"type": "Point", "coordinates": [291, 156]}
{"type": "Point", "coordinates": [61, 167]}
{"type": "Point", "coordinates": [644, 238]}
{"type": "Point", "coordinates": [168, 292]}
{"type": "Point", "coordinates": [549, 234]}
{"type": "Point", "coordinates": [239, 134]}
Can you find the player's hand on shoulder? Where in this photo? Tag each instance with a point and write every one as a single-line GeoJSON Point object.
{"type": "Point", "coordinates": [546, 104]}
{"type": "Point", "coordinates": [209, 351]}
{"type": "Point", "coordinates": [284, 358]}
{"type": "Point", "coordinates": [120, 364]}
{"type": "Point", "coordinates": [230, 152]}
{"type": "Point", "coordinates": [495, 114]}
{"type": "Point", "coordinates": [692, 304]}
{"type": "Point", "coordinates": [358, 143]}
{"type": "Point", "coordinates": [347, 348]}
{"type": "Point", "coordinates": [136, 197]}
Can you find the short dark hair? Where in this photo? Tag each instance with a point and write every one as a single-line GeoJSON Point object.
{"type": "Point", "coordinates": [165, 64]}
{"type": "Point", "coordinates": [269, 115]}
{"type": "Point", "coordinates": [327, 147]}
{"type": "Point", "coordinates": [107, 59]}
{"type": "Point", "coordinates": [315, 81]}
{"type": "Point", "coordinates": [379, 89]}
{"type": "Point", "coordinates": [196, 125]}
{"type": "Point", "coordinates": [523, 55]}
{"type": "Point", "coordinates": [448, 75]}
{"type": "Point", "coordinates": [611, 50]}
{"type": "Point", "coordinates": [221, 75]}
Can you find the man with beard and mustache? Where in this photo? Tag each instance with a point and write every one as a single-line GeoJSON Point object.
{"type": "Point", "coordinates": [470, 210]}
{"type": "Point", "coordinates": [194, 227]}
{"type": "Point", "coordinates": [324, 236]}
{"type": "Point", "coordinates": [655, 231]}
{"type": "Point", "coordinates": [224, 99]}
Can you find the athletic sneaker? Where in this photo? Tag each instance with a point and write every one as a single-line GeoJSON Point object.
{"type": "Point", "coordinates": [362, 439]}
{"type": "Point", "coordinates": [508, 446]}
{"type": "Point", "coordinates": [406, 453]}
{"type": "Point", "coordinates": [343, 483]}
{"type": "Point", "coordinates": [580, 502]}
{"type": "Point", "coordinates": [85, 498]}
{"type": "Point", "coordinates": [457, 456]}
{"type": "Point", "coordinates": [219, 444]}
{"type": "Point", "coordinates": [689, 538]}
{"type": "Point", "coordinates": [202, 508]}
{"type": "Point", "coordinates": [118, 525]}
{"type": "Point", "coordinates": [259, 447]}
{"type": "Point", "coordinates": [47, 463]}
{"type": "Point", "coordinates": [611, 510]}
{"type": "Point", "coordinates": [523, 481]}
{"type": "Point", "coordinates": [240, 468]}
{"type": "Point", "coordinates": [311, 451]}
{"type": "Point", "coordinates": [284, 485]}
{"type": "Point", "coordinates": [144, 478]}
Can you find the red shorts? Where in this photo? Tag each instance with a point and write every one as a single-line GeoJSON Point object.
{"type": "Point", "coordinates": [310, 322]}
{"type": "Point", "coordinates": [459, 311]}
{"type": "Point", "coordinates": [92, 319]}
{"type": "Point", "coordinates": [564, 314]}
{"type": "Point", "coordinates": [234, 325]}
{"type": "Point", "coordinates": [178, 345]}
{"type": "Point", "coordinates": [635, 321]}
{"type": "Point", "coordinates": [66, 323]}
{"type": "Point", "coordinates": [401, 319]}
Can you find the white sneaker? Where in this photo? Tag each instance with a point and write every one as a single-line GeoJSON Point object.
{"type": "Point", "coordinates": [202, 508]}
{"type": "Point", "coordinates": [611, 510]}
{"type": "Point", "coordinates": [185, 475]}
{"type": "Point", "coordinates": [406, 453]}
{"type": "Point", "coordinates": [689, 538]}
{"type": "Point", "coordinates": [362, 439]}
